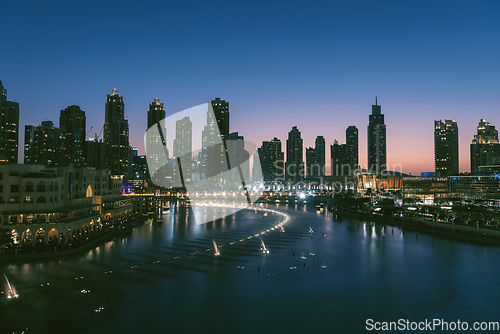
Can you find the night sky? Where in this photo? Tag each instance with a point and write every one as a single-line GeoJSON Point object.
{"type": "Point", "coordinates": [317, 65]}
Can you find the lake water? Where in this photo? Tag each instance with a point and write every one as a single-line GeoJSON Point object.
{"type": "Point", "coordinates": [321, 275]}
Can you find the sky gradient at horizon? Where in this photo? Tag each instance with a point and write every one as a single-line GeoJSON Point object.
{"type": "Point", "coordinates": [316, 65]}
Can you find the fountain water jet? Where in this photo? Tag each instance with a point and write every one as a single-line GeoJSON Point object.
{"type": "Point", "coordinates": [264, 249]}
{"type": "Point", "coordinates": [310, 229]}
{"type": "Point", "coordinates": [216, 249]}
{"type": "Point", "coordinates": [12, 292]}
{"type": "Point", "coordinates": [282, 229]}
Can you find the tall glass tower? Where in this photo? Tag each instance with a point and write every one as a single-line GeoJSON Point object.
{"type": "Point", "coordinates": [446, 147]}
{"type": "Point", "coordinates": [485, 147]}
{"type": "Point", "coordinates": [377, 156]}
{"type": "Point", "coordinates": [9, 128]}
{"type": "Point", "coordinates": [73, 120]}
{"type": "Point", "coordinates": [294, 157]}
{"type": "Point", "coordinates": [116, 135]}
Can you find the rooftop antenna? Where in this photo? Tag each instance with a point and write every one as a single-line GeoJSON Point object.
{"type": "Point", "coordinates": [375, 100]}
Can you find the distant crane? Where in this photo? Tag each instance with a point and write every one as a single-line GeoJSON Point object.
{"type": "Point", "coordinates": [98, 135]}
{"type": "Point", "coordinates": [89, 131]}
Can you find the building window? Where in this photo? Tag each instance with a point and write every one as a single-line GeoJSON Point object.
{"type": "Point", "coordinates": [41, 187]}
{"type": "Point", "coordinates": [14, 188]}
{"type": "Point", "coordinates": [29, 187]}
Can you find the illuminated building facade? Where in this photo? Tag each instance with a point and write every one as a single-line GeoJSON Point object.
{"type": "Point", "coordinates": [73, 121]}
{"type": "Point", "coordinates": [446, 147]}
{"type": "Point", "coordinates": [272, 160]}
{"type": "Point", "coordinates": [116, 135]}
{"type": "Point", "coordinates": [485, 147]}
{"type": "Point", "coordinates": [48, 146]}
{"type": "Point", "coordinates": [29, 136]}
{"type": "Point", "coordinates": [352, 149]}
{"type": "Point", "coordinates": [294, 167]}
{"type": "Point", "coordinates": [9, 128]}
{"type": "Point", "coordinates": [55, 205]}
{"type": "Point", "coordinates": [319, 153]}
{"type": "Point", "coordinates": [377, 151]}
{"type": "Point", "coordinates": [183, 145]}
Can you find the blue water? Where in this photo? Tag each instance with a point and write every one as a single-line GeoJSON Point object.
{"type": "Point", "coordinates": [371, 271]}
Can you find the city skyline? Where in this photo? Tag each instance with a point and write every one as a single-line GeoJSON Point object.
{"type": "Point", "coordinates": [226, 127]}
{"type": "Point", "coordinates": [424, 61]}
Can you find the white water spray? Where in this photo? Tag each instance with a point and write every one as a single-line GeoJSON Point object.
{"type": "Point", "coordinates": [216, 249]}
{"type": "Point", "coordinates": [12, 292]}
{"type": "Point", "coordinates": [264, 249]}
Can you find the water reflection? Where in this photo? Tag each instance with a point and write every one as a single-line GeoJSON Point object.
{"type": "Point", "coordinates": [381, 275]}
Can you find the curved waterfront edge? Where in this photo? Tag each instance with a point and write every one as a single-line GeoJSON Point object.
{"type": "Point", "coordinates": [485, 237]}
{"type": "Point", "coordinates": [83, 247]}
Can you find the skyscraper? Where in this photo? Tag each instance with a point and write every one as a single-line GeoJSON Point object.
{"type": "Point", "coordinates": [221, 112]}
{"type": "Point", "coordinates": [312, 167]}
{"type": "Point", "coordinates": [183, 145]}
{"type": "Point", "coordinates": [319, 153]}
{"type": "Point", "coordinates": [351, 137]}
{"type": "Point", "coordinates": [272, 160]}
{"type": "Point", "coordinates": [237, 153]}
{"type": "Point", "coordinates": [340, 162]}
{"type": "Point", "coordinates": [294, 157]}
{"type": "Point", "coordinates": [214, 159]}
{"type": "Point", "coordinates": [48, 146]}
{"type": "Point", "coordinates": [377, 157]}
{"type": "Point", "coordinates": [73, 120]}
{"type": "Point", "coordinates": [485, 147]}
{"type": "Point", "coordinates": [116, 135]}
{"type": "Point", "coordinates": [446, 147]}
{"type": "Point", "coordinates": [9, 128]}
{"type": "Point", "coordinates": [156, 112]}
{"type": "Point", "coordinates": [94, 153]}
{"type": "Point", "coordinates": [29, 136]}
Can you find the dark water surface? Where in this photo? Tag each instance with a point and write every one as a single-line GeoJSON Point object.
{"type": "Point", "coordinates": [321, 275]}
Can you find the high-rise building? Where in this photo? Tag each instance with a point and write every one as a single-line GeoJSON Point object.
{"type": "Point", "coordinates": [351, 138]}
{"type": "Point", "coordinates": [446, 147]}
{"type": "Point", "coordinates": [156, 112]}
{"type": "Point", "coordinates": [312, 167]}
{"type": "Point", "coordinates": [294, 157]}
{"type": "Point", "coordinates": [183, 145]}
{"type": "Point", "coordinates": [9, 128]}
{"type": "Point", "coordinates": [94, 153]}
{"type": "Point", "coordinates": [319, 153]}
{"type": "Point", "coordinates": [237, 153]}
{"type": "Point", "coordinates": [116, 135]}
{"type": "Point", "coordinates": [272, 160]}
{"type": "Point", "coordinates": [214, 159]}
{"type": "Point", "coordinates": [344, 157]}
{"type": "Point", "coordinates": [29, 136]}
{"type": "Point", "coordinates": [73, 120]}
{"type": "Point", "coordinates": [485, 147]}
{"type": "Point", "coordinates": [377, 155]}
{"type": "Point", "coordinates": [183, 142]}
{"type": "Point", "coordinates": [340, 161]}
{"type": "Point", "coordinates": [48, 146]}
{"type": "Point", "coordinates": [138, 165]}
{"type": "Point", "coordinates": [221, 112]}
